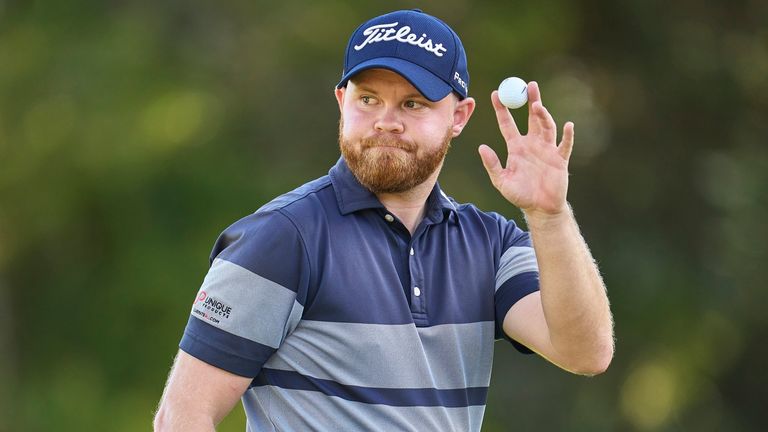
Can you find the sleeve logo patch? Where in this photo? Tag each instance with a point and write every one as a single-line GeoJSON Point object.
{"type": "Point", "coordinates": [210, 308]}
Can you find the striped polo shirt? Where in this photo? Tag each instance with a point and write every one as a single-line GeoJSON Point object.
{"type": "Point", "coordinates": [347, 322]}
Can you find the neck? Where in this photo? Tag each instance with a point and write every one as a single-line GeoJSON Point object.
{"type": "Point", "coordinates": [410, 206]}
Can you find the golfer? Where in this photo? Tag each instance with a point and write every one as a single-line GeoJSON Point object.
{"type": "Point", "coordinates": [369, 299]}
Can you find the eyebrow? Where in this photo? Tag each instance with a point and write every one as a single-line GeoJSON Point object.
{"type": "Point", "coordinates": [364, 88]}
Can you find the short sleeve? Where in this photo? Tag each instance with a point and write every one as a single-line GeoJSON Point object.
{"type": "Point", "coordinates": [516, 277]}
{"type": "Point", "coordinates": [252, 297]}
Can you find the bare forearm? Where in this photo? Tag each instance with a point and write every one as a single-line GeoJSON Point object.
{"type": "Point", "coordinates": [171, 420]}
{"type": "Point", "coordinates": [197, 396]}
{"type": "Point", "coordinates": [573, 295]}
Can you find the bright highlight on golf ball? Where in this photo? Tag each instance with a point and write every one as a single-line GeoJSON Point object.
{"type": "Point", "coordinates": [513, 92]}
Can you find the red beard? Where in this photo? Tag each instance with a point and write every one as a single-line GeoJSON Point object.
{"type": "Point", "coordinates": [386, 164]}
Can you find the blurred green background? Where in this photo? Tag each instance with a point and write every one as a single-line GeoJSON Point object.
{"type": "Point", "coordinates": [132, 133]}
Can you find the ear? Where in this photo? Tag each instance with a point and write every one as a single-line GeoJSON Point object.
{"type": "Point", "coordinates": [339, 92]}
{"type": "Point", "coordinates": [461, 114]}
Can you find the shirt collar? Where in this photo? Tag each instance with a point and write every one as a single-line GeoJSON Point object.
{"type": "Point", "coordinates": [353, 196]}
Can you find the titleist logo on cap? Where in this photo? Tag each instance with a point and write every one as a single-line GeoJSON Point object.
{"type": "Point", "coordinates": [387, 32]}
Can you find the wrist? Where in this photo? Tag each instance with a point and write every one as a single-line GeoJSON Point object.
{"type": "Point", "coordinates": [539, 219]}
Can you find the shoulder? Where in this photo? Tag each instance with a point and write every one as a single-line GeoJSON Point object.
{"type": "Point", "coordinates": [492, 220]}
{"type": "Point", "coordinates": [282, 214]}
{"type": "Point", "coordinates": [305, 205]}
{"type": "Point", "coordinates": [500, 230]}
{"type": "Point", "coordinates": [303, 196]}
{"type": "Point", "coordinates": [276, 226]}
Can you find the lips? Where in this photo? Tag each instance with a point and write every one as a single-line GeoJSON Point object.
{"type": "Point", "coordinates": [387, 142]}
{"type": "Point", "coordinates": [386, 147]}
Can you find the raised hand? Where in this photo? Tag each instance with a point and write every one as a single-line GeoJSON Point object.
{"type": "Point", "coordinates": [535, 177]}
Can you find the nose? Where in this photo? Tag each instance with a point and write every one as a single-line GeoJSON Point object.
{"type": "Point", "coordinates": [389, 121]}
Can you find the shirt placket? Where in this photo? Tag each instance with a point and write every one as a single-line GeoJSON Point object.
{"type": "Point", "coordinates": [419, 290]}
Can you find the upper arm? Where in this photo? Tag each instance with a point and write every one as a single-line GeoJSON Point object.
{"type": "Point", "coordinates": [252, 297]}
{"type": "Point", "coordinates": [197, 395]}
{"type": "Point", "coordinates": [517, 276]}
{"type": "Point", "coordinates": [525, 323]}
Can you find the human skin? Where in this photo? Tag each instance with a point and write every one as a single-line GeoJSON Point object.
{"type": "Point", "coordinates": [568, 321]}
{"type": "Point", "coordinates": [379, 102]}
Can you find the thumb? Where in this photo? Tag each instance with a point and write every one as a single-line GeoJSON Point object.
{"type": "Point", "coordinates": [490, 162]}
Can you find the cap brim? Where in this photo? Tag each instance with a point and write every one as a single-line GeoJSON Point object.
{"type": "Point", "coordinates": [427, 83]}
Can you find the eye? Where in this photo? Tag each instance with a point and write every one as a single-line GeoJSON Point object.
{"type": "Point", "coordinates": [367, 100]}
{"type": "Point", "coordinates": [413, 104]}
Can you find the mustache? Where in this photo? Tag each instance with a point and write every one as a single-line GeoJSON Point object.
{"type": "Point", "coordinates": [387, 141]}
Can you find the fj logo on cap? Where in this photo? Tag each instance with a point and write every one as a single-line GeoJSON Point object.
{"type": "Point", "coordinates": [387, 32]}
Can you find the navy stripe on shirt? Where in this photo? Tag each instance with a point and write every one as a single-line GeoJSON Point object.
{"type": "Point", "coordinates": [507, 296]}
{"type": "Point", "coordinates": [449, 398]}
{"type": "Point", "coordinates": [224, 350]}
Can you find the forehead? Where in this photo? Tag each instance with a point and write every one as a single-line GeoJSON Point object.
{"type": "Point", "coordinates": [385, 78]}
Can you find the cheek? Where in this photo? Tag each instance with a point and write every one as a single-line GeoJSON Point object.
{"type": "Point", "coordinates": [437, 122]}
{"type": "Point", "coordinates": [434, 130]}
{"type": "Point", "coordinates": [354, 123]}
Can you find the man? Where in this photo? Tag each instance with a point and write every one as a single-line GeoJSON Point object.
{"type": "Point", "coordinates": [370, 300]}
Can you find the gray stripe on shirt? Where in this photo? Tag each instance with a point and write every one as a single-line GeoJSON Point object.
{"type": "Point", "coordinates": [448, 356]}
{"type": "Point", "coordinates": [243, 303]}
{"type": "Point", "coordinates": [516, 260]}
{"type": "Point", "coordinates": [272, 408]}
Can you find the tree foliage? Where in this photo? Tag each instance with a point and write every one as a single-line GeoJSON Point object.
{"type": "Point", "coordinates": [132, 133]}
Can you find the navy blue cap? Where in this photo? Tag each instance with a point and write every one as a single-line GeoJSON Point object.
{"type": "Point", "coordinates": [416, 45]}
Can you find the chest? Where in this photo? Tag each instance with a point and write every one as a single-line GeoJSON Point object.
{"type": "Point", "coordinates": [371, 271]}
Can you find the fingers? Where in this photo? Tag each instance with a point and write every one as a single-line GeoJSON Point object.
{"type": "Point", "coordinates": [534, 93]}
{"type": "Point", "coordinates": [539, 119]}
{"type": "Point", "coordinates": [507, 124]}
{"type": "Point", "coordinates": [490, 162]}
{"type": "Point", "coordinates": [566, 144]}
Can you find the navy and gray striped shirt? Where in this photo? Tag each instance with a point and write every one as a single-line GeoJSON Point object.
{"type": "Point", "coordinates": [346, 322]}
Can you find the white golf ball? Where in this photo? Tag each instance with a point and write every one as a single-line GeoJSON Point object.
{"type": "Point", "coordinates": [513, 92]}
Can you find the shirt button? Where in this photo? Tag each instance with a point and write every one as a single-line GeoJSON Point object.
{"type": "Point", "coordinates": [388, 217]}
{"type": "Point", "coordinates": [416, 291]}
{"type": "Point", "coordinates": [412, 252]}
